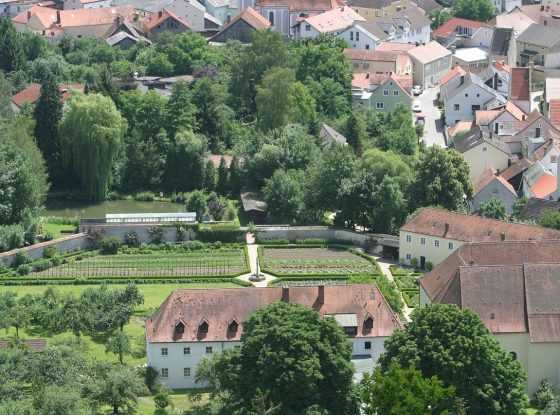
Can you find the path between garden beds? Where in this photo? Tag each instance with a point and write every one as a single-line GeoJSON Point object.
{"type": "Point", "coordinates": [253, 252]}
{"type": "Point", "coordinates": [385, 265]}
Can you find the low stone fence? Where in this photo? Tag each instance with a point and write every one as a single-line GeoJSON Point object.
{"type": "Point", "coordinates": [374, 242]}
{"type": "Point", "coordinates": [68, 243]}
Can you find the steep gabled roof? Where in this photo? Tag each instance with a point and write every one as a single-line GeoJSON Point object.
{"type": "Point", "coordinates": [540, 35]}
{"type": "Point", "coordinates": [469, 228]}
{"type": "Point", "coordinates": [161, 17]}
{"type": "Point", "coordinates": [218, 306]}
{"type": "Point", "coordinates": [453, 72]}
{"type": "Point", "coordinates": [451, 26]}
{"type": "Point", "coordinates": [334, 20]}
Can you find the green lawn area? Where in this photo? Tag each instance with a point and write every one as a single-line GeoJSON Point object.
{"type": "Point", "coordinates": [181, 400]}
{"type": "Point", "coordinates": [56, 230]}
{"type": "Point", "coordinates": [531, 411]}
{"type": "Point", "coordinates": [154, 295]}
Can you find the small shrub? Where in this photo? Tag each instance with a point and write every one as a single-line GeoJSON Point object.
{"type": "Point", "coordinates": [56, 261]}
{"type": "Point", "coordinates": [42, 265]}
{"type": "Point", "coordinates": [21, 258]}
{"type": "Point", "coordinates": [429, 266]}
{"type": "Point", "coordinates": [156, 234]}
{"type": "Point", "coordinates": [131, 239]}
{"type": "Point", "coordinates": [414, 262]}
{"type": "Point", "coordinates": [161, 399]}
{"type": "Point", "coordinates": [110, 245]}
{"type": "Point", "coordinates": [47, 236]}
{"type": "Point", "coordinates": [151, 378]}
{"type": "Point", "coordinates": [193, 245]}
{"type": "Point", "coordinates": [145, 197]}
{"type": "Point", "coordinates": [24, 269]}
{"type": "Point", "coordinates": [217, 245]}
{"type": "Point", "coordinates": [543, 396]}
{"type": "Point", "coordinates": [49, 252]}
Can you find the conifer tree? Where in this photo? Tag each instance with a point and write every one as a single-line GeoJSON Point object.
{"type": "Point", "coordinates": [222, 186]}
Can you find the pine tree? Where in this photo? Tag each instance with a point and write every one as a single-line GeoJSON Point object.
{"type": "Point", "coordinates": [234, 177]}
{"type": "Point", "coordinates": [222, 186]}
{"type": "Point", "coordinates": [12, 54]}
{"type": "Point", "coordinates": [48, 113]}
{"type": "Point", "coordinates": [209, 176]}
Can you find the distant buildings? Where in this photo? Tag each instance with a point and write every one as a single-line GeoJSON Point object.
{"type": "Point", "coordinates": [430, 62]}
{"type": "Point", "coordinates": [194, 324]}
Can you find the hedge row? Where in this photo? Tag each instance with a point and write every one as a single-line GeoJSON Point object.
{"type": "Point", "coordinates": [78, 281]}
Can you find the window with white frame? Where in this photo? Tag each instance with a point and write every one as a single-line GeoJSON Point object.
{"type": "Point", "coordinates": [396, 93]}
{"type": "Point", "coordinates": [450, 245]}
{"type": "Point", "coordinates": [436, 243]}
{"type": "Point", "coordinates": [456, 107]}
{"type": "Point", "coordinates": [408, 257]}
{"type": "Point", "coordinates": [208, 349]}
{"type": "Point", "coordinates": [164, 372]}
{"type": "Point", "coordinates": [187, 372]}
{"type": "Point", "coordinates": [357, 36]}
{"type": "Point", "coordinates": [186, 350]}
{"type": "Point", "coordinates": [164, 351]}
{"type": "Point", "coordinates": [307, 27]}
{"type": "Point", "coordinates": [408, 238]}
{"type": "Point", "coordinates": [422, 241]}
{"type": "Point", "coordinates": [351, 35]}
{"type": "Point", "coordinates": [379, 105]}
{"type": "Point", "coordinates": [386, 92]}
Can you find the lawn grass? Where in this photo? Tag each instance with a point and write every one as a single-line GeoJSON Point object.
{"type": "Point", "coordinates": [154, 295]}
{"type": "Point", "coordinates": [56, 230]}
{"type": "Point", "coordinates": [181, 400]}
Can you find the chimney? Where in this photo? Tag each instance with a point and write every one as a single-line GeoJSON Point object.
{"type": "Point", "coordinates": [286, 294]}
{"type": "Point", "coordinates": [321, 294]}
{"type": "Point", "coordinates": [58, 17]}
{"type": "Point", "coordinates": [503, 236]}
{"type": "Point", "coordinates": [28, 14]}
{"type": "Point", "coordinates": [446, 228]}
{"type": "Point", "coordinates": [542, 8]}
{"type": "Point", "coordinates": [367, 75]}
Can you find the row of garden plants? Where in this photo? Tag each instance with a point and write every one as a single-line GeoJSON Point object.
{"type": "Point", "coordinates": [112, 262]}
{"type": "Point", "coordinates": [407, 282]}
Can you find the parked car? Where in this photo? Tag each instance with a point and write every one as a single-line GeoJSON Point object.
{"type": "Point", "coordinates": [416, 107]}
{"type": "Point", "coordinates": [417, 90]}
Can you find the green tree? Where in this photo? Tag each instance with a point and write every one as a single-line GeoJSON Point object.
{"type": "Point", "coordinates": [184, 170]}
{"type": "Point", "coordinates": [550, 219]}
{"type": "Point", "coordinates": [439, 17]}
{"type": "Point", "coordinates": [48, 113]}
{"type": "Point", "coordinates": [19, 317]}
{"type": "Point", "coordinates": [356, 133]}
{"type": "Point", "coordinates": [398, 134]}
{"type": "Point", "coordinates": [303, 111]}
{"type": "Point", "coordinates": [235, 177]}
{"type": "Point", "coordinates": [92, 131]}
{"type": "Point", "coordinates": [119, 344]}
{"type": "Point", "coordinates": [293, 358]}
{"type": "Point", "coordinates": [454, 345]}
{"type": "Point", "coordinates": [59, 400]}
{"type": "Point", "coordinates": [518, 207]}
{"type": "Point", "coordinates": [405, 391]}
{"type": "Point", "coordinates": [267, 50]}
{"type": "Point", "coordinates": [209, 180]}
{"type": "Point", "coordinates": [5, 101]}
{"type": "Point", "coordinates": [283, 193]}
{"type": "Point", "coordinates": [222, 185]}
{"type": "Point", "coordinates": [12, 55]}
{"type": "Point", "coordinates": [482, 10]}
{"type": "Point", "coordinates": [181, 112]}
{"type": "Point", "coordinates": [493, 208]}
{"type": "Point", "coordinates": [442, 179]}
{"type": "Point", "coordinates": [275, 98]}
{"type": "Point", "coordinates": [117, 387]}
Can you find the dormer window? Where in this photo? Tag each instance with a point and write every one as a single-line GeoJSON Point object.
{"type": "Point", "coordinates": [233, 327]}
{"type": "Point", "coordinates": [179, 328]}
{"type": "Point", "coordinates": [368, 323]}
{"type": "Point", "coordinates": [203, 327]}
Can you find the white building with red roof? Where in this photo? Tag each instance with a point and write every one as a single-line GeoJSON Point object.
{"type": "Point", "coordinates": [194, 324]}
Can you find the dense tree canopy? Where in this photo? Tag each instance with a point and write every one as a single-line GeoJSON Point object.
{"type": "Point", "coordinates": [292, 360]}
{"type": "Point", "coordinates": [455, 346]}
{"type": "Point", "coordinates": [92, 132]}
{"type": "Point", "coordinates": [482, 10]}
{"type": "Point", "coordinates": [493, 208]}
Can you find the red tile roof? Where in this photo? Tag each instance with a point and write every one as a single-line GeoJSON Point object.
{"type": "Point", "coordinates": [394, 47]}
{"type": "Point", "coordinates": [301, 5]}
{"type": "Point", "coordinates": [219, 307]}
{"type": "Point", "coordinates": [160, 17]}
{"type": "Point", "coordinates": [254, 19]}
{"type": "Point", "coordinates": [453, 72]}
{"type": "Point", "coordinates": [217, 159]}
{"type": "Point", "coordinates": [451, 25]}
{"type": "Point", "coordinates": [544, 186]}
{"type": "Point", "coordinates": [469, 228]}
{"type": "Point", "coordinates": [519, 86]}
{"type": "Point", "coordinates": [370, 55]}
{"type": "Point", "coordinates": [516, 168]}
{"type": "Point", "coordinates": [31, 94]}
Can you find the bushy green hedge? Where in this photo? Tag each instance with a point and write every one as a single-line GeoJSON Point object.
{"type": "Point", "coordinates": [411, 297]}
{"type": "Point", "coordinates": [223, 232]}
{"type": "Point", "coordinates": [81, 281]}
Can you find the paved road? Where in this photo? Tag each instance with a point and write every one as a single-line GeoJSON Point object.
{"type": "Point", "coordinates": [433, 130]}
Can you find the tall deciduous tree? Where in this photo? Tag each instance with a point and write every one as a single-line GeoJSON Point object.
{"type": "Point", "coordinates": [283, 193]}
{"type": "Point", "coordinates": [356, 133]}
{"type": "Point", "coordinates": [454, 345]}
{"type": "Point", "coordinates": [181, 112]}
{"type": "Point", "coordinates": [293, 358]}
{"type": "Point", "coordinates": [118, 344]}
{"type": "Point", "coordinates": [442, 178]}
{"type": "Point", "coordinates": [92, 132]}
{"type": "Point", "coordinates": [12, 54]}
{"type": "Point", "coordinates": [405, 391]}
{"type": "Point", "coordinates": [185, 163]}
{"type": "Point", "coordinates": [482, 10]}
{"type": "Point", "coordinates": [48, 113]}
{"type": "Point", "coordinates": [275, 98]}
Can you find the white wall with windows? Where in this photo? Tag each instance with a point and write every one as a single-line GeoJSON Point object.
{"type": "Point", "coordinates": [176, 363]}
{"type": "Point", "coordinates": [425, 248]}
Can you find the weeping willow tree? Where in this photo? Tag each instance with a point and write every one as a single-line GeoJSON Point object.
{"type": "Point", "coordinates": [91, 133]}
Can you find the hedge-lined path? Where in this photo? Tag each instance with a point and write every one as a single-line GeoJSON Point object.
{"type": "Point", "coordinates": [253, 253]}
{"type": "Point", "coordinates": [384, 265]}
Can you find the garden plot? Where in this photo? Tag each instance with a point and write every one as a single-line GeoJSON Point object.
{"type": "Point", "coordinates": [314, 262]}
{"type": "Point", "coordinates": [157, 264]}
